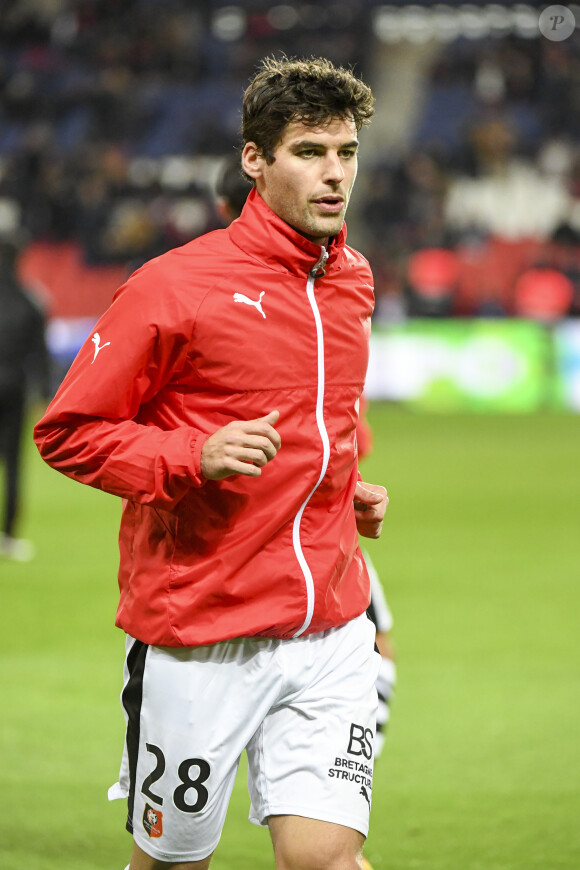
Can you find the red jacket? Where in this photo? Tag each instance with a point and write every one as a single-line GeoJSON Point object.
{"type": "Point", "coordinates": [230, 326]}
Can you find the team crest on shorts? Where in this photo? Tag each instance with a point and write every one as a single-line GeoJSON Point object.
{"type": "Point", "coordinates": [153, 821]}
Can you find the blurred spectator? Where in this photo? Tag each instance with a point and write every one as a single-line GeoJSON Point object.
{"type": "Point", "coordinates": [432, 282]}
{"type": "Point", "coordinates": [232, 188]}
{"type": "Point", "coordinates": [23, 355]}
{"type": "Point", "coordinates": [403, 213]}
{"type": "Point", "coordinates": [506, 196]}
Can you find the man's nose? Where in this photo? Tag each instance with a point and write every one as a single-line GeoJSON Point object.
{"type": "Point", "coordinates": [333, 168]}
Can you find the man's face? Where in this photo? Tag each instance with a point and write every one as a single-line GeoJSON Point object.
{"type": "Point", "coordinates": [309, 183]}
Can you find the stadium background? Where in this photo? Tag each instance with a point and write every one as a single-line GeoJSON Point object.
{"type": "Point", "coordinates": [114, 120]}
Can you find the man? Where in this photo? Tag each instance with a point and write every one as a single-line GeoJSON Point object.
{"type": "Point", "coordinates": [23, 354]}
{"type": "Point", "coordinates": [218, 397]}
{"type": "Point", "coordinates": [232, 189]}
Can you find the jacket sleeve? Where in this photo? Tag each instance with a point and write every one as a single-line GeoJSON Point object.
{"type": "Point", "coordinates": [90, 431]}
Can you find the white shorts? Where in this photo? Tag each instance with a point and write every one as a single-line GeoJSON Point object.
{"type": "Point", "coordinates": [304, 710]}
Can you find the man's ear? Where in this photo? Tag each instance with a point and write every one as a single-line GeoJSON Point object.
{"type": "Point", "coordinates": [253, 160]}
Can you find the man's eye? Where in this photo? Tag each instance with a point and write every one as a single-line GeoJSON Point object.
{"type": "Point", "coordinates": [348, 154]}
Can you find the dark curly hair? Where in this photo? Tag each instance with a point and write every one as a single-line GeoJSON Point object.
{"type": "Point", "coordinates": [313, 91]}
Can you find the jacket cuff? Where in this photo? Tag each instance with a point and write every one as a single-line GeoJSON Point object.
{"type": "Point", "coordinates": [196, 445]}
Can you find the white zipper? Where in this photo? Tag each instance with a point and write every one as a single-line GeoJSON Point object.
{"type": "Point", "coordinates": [316, 272]}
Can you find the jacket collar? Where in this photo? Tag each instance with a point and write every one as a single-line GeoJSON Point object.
{"type": "Point", "coordinates": [262, 234]}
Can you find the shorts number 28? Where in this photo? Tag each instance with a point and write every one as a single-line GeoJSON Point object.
{"type": "Point", "coordinates": [186, 780]}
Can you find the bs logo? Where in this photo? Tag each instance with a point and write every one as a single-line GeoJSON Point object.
{"type": "Point", "coordinates": [361, 741]}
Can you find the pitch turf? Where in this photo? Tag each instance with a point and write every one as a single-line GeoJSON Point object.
{"type": "Point", "coordinates": [480, 562]}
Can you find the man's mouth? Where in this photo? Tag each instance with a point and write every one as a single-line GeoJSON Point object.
{"type": "Point", "coordinates": [330, 204]}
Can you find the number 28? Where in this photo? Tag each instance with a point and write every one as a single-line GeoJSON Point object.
{"type": "Point", "coordinates": [186, 780]}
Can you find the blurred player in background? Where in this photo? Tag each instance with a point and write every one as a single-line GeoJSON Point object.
{"type": "Point", "coordinates": [232, 189]}
{"type": "Point", "coordinates": [23, 357]}
{"type": "Point", "coordinates": [218, 397]}
{"type": "Point", "coordinates": [379, 611]}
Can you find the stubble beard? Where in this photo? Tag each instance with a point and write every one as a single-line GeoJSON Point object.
{"type": "Point", "coordinates": [319, 227]}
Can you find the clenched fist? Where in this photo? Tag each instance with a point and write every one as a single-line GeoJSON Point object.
{"type": "Point", "coordinates": [370, 504]}
{"type": "Point", "coordinates": [241, 447]}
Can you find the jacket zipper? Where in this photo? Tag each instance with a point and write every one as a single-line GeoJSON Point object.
{"type": "Point", "coordinates": [316, 272]}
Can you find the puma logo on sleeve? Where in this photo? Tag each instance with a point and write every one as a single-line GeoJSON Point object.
{"type": "Point", "coordinates": [96, 339]}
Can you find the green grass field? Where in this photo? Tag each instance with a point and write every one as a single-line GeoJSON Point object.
{"type": "Point", "coordinates": [480, 560]}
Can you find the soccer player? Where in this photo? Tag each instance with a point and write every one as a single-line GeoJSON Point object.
{"type": "Point", "coordinates": [232, 189]}
{"type": "Point", "coordinates": [218, 398]}
{"type": "Point", "coordinates": [378, 609]}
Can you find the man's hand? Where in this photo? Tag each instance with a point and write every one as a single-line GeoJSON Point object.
{"type": "Point", "coordinates": [240, 447]}
{"type": "Point", "coordinates": [370, 504]}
